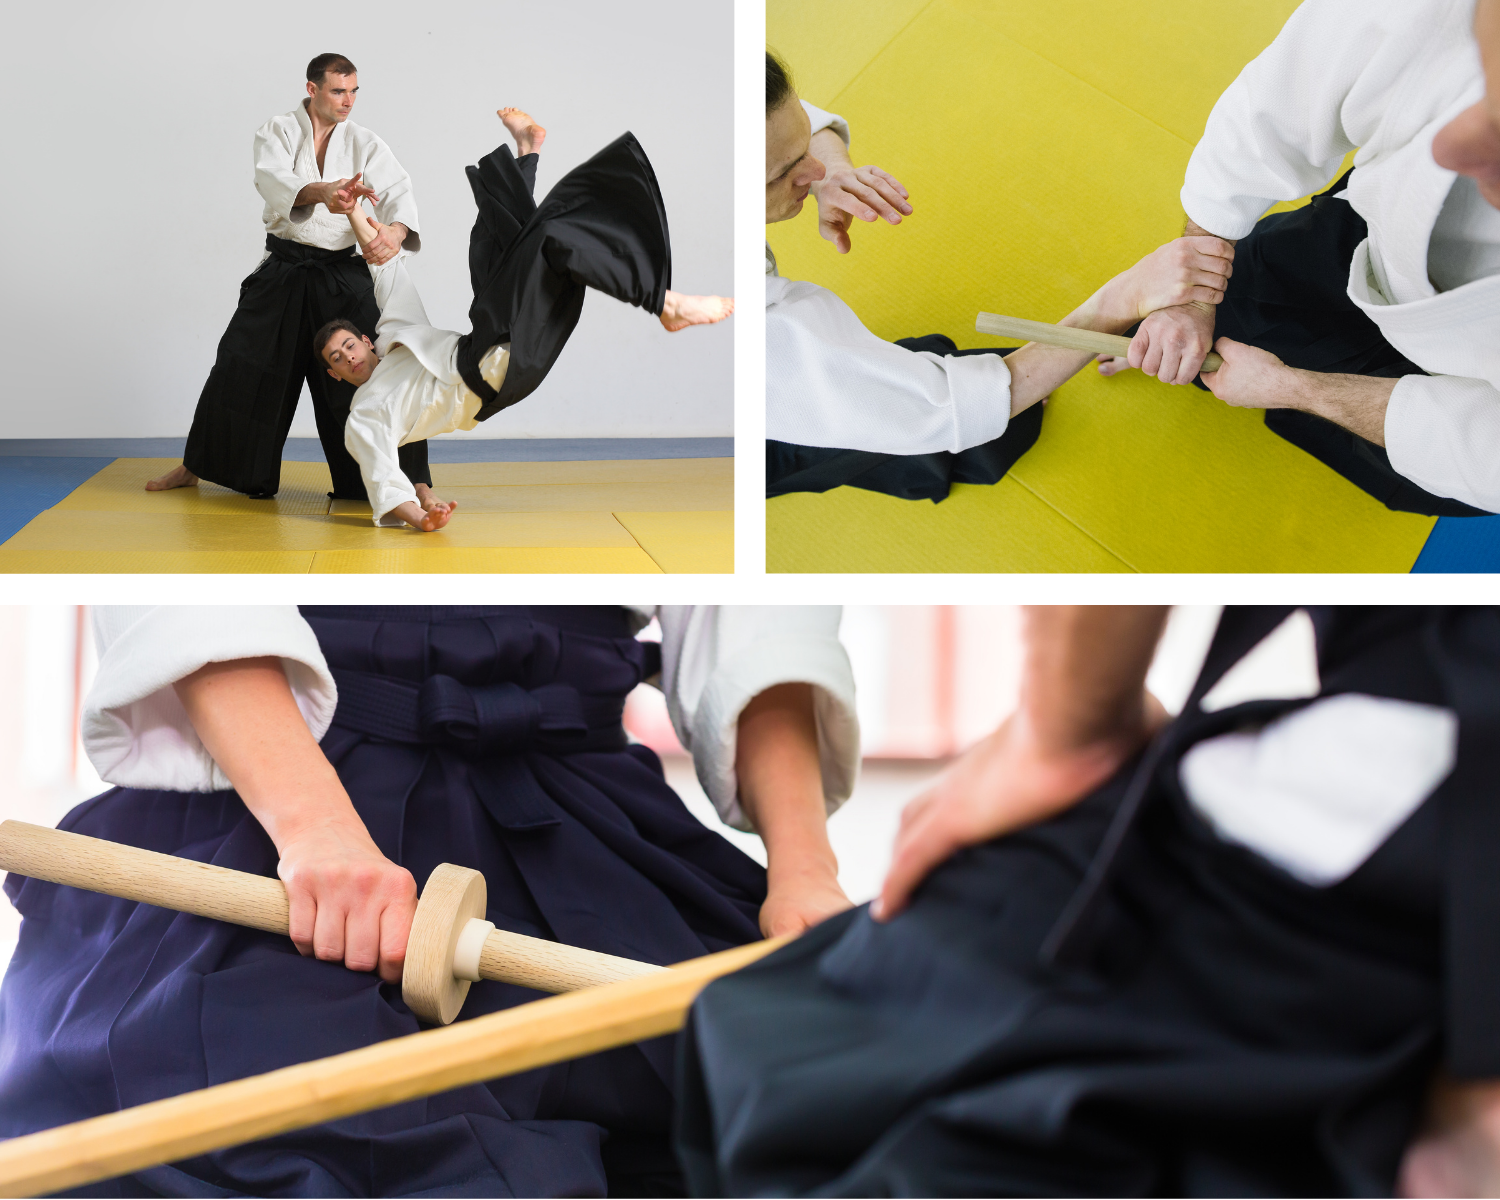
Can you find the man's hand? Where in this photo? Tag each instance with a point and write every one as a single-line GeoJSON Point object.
{"type": "Point", "coordinates": [1251, 377]}
{"type": "Point", "coordinates": [339, 196]}
{"type": "Point", "coordinates": [847, 191]}
{"type": "Point", "coordinates": [387, 242]}
{"type": "Point", "coordinates": [864, 192]}
{"type": "Point", "coordinates": [1187, 270]}
{"type": "Point", "coordinates": [1255, 378]}
{"type": "Point", "coordinates": [800, 898]}
{"type": "Point", "coordinates": [1173, 342]}
{"type": "Point", "coordinates": [349, 903]}
{"type": "Point", "coordinates": [1007, 781]}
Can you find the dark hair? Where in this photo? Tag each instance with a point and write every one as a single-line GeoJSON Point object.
{"type": "Point", "coordinates": [778, 83]}
{"type": "Point", "coordinates": [325, 335]}
{"type": "Point", "coordinates": [324, 63]}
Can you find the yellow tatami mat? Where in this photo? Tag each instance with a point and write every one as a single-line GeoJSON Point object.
{"type": "Point", "coordinates": [512, 517]}
{"type": "Point", "coordinates": [1044, 148]}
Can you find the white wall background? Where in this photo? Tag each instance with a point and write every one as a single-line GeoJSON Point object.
{"type": "Point", "coordinates": [132, 217]}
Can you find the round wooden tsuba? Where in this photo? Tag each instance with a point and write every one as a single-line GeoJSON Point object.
{"type": "Point", "coordinates": [452, 897]}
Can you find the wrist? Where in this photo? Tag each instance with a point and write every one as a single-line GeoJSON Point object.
{"type": "Point", "coordinates": [800, 866]}
{"type": "Point", "coordinates": [1082, 758]}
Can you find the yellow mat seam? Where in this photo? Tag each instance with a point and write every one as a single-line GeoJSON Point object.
{"type": "Point", "coordinates": [891, 41]}
{"type": "Point", "coordinates": [616, 519]}
{"type": "Point", "coordinates": [1109, 550]}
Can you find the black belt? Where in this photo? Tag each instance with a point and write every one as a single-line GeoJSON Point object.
{"type": "Point", "coordinates": [301, 254]}
{"type": "Point", "coordinates": [478, 722]}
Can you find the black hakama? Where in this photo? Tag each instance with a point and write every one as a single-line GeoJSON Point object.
{"type": "Point", "coordinates": [794, 468]}
{"type": "Point", "coordinates": [1118, 1002]}
{"type": "Point", "coordinates": [486, 737]}
{"type": "Point", "coordinates": [1289, 294]}
{"type": "Point", "coordinates": [603, 226]}
{"type": "Point", "coordinates": [246, 407]}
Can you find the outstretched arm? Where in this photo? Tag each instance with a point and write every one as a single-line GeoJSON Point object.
{"type": "Point", "coordinates": [781, 791]}
{"type": "Point", "coordinates": [348, 901]}
{"type": "Point", "coordinates": [1084, 711]}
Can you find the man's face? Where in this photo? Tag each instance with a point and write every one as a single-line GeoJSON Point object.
{"type": "Point", "coordinates": [790, 167]}
{"type": "Point", "coordinates": [1470, 143]}
{"type": "Point", "coordinates": [331, 100]}
{"type": "Point", "coordinates": [350, 358]}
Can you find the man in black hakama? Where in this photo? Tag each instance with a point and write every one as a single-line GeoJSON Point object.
{"type": "Point", "coordinates": [1116, 996]}
{"type": "Point", "coordinates": [311, 274]}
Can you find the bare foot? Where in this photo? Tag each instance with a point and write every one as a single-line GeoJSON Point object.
{"type": "Point", "coordinates": [427, 520]}
{"type": "Point", "coordinates": [679, 311]}
{"type": "Point", "coordinates": [178, 476]}
{"type": "Point", "coordinates": [528, 134]}
{"type": "Point", "coordinates": [426, 497]}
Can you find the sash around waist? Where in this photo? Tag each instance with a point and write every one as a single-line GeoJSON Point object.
{"type": "Point", "coordinates": [479, 721]}
{"type": "Point", "coordinates": [289, 251]}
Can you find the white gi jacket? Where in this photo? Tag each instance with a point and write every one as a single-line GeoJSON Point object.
{"type": "Point", "coordinates": [285, 163]}
{"type": "Point", "coordinates": [831, 382]}
{"type": "Point", "coordinates": [1383, 76]}
{"type": "Point", "coordinates": [715, 661]}
{"type": "Point", "coordinates": [414, 393]}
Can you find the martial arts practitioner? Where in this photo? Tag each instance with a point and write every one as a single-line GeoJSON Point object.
{"type": "Point", "coordinates": [1365, 323]}
{"type": "Point", "coordinates": [309, 276]}
{"type": "Point", "coordinates": [912, 417]}
{"type": "Point", "coordinates": [364, 747]}
{"type": "Point", "coordinates": [1115, 955]}
{"type": "Point", "coordinates": [603, 226]}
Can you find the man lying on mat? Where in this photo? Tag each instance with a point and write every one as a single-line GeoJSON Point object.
{"type": "Point", "coordinates": [603, 226]}
{"type": "Point", "coordinates": [910, 418]}
{"type": "Point", "coordinates": [1364, 322]}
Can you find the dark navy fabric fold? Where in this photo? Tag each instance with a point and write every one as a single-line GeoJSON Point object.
{"type": "Point", "coordinates": [1205, 1023]}
{"type": "Point", "coordinates": [109, 1004]}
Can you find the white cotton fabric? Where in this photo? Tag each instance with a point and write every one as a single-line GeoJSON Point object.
{"type": "Point", "coordinates": [286, 161]}
{"type": "Point", "coordinates": [414, 393]}
{"type": "Point", "coordinates": [1383, 76]}
{"type": "Point", "coordinates": [716, 660]}
{"type": "Point", "coordinates": [1317, 791]}
{"type": "Point", "coordinates": [831, 382]}
{"type": "Point", "coordinates": [135, 730]}
{"type": "Point", "coordinates": [1465, 243]}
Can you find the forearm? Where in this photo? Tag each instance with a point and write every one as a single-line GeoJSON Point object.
{"type": "Point", "coordinates": [1083, 689]}
{"type": "Point", "coordinates": [246, 717]}
{"type": "Point", "coordinates": [1036, 371]}
{"type": "Point", "coordinates": [312, 193]}
{"type": "Point", "coordinates": [1193, 229]}
{"type": "Point", "coordinates": [1355, 402]}
{"type": "Point", "coordinates": [364, 228]}
{"type": "Point", "coordinates": [781, 781]}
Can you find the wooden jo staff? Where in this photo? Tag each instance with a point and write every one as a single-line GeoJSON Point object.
{"type": "Point", "coordinates": [451, 944]}
{"type": "Point", "coordinates": [420, 1064]}
{"type": "Point", "coordinates": [1063, 335]}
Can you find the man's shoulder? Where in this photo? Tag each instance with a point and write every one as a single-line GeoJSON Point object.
{"type": "Point", "coordinates": [283, 125]}
{"type": "Point", "coordinates": [363, 136]}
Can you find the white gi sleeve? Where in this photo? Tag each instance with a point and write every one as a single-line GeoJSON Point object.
{"type": "Point", "coordinates": [831, 382]}
{"type": "Point", "coordinates": [826, 120]}
{"type": "Point", "coordinates": [716, 659]}
{"type": "Point", "coordinates": [392, 185]}
{"type": "Point", "coordinates": [1278, 132]}
{"type": "Point", "coordinates": [1443, 433]}
{"type": "Point", "coordinates": [399, 302]}
{"type": "Point", "coordinates": [135, 730]}
{"type": "Point", "coordinates": [275, 180]}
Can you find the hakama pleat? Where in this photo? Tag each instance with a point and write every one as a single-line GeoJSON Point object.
{"type": "Point", "coordinates": [1289, 294]}
{"type": "Point", "coordinates": [109, 1004]}
{"type": "Point", "coordinates": [246, 407]}
{"type": "Point", "coordinates": [602, 226]}
{"type": "Point", "coordinates": [794, 468]}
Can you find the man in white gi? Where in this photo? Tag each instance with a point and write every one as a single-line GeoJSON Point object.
{"type": "Point", "coordinates": [412, 381]}
{"type": "Point", "coordinates": [309, 275]}
{"type": "Point", "coordinates": [908, 418]}
{"type": "Point", "coordinates": [1365, 324]}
